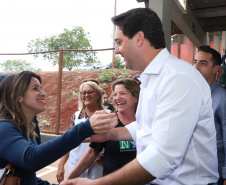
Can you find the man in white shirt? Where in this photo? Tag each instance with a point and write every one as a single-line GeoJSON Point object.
{"type": "Point", "coordinates": [174, 132]}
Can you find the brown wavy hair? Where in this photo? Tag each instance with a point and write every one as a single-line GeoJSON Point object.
{"type": "Point", "coordinates": [11, 89]}
{"type": "Point", "coordinates": [131, 85]}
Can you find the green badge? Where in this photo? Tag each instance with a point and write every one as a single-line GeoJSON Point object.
{"type": "Point", "coordinates": [124, 145]}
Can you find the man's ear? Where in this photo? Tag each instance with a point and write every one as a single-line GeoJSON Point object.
{"type": "Point", "coordinates": [140, 38]}
{"type": "Point", "coordinates": [216, 68]}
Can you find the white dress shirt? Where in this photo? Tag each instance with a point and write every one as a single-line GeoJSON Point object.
{"type": "Point", "coordinates": [175, 133]}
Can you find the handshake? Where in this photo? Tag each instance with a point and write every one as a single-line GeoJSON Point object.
{"type": "Point", "coordinates": [102, 123]}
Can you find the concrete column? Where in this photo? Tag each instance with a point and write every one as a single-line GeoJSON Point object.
{"type": "Point", "coordinates": [216, 39]}
{"type": "Point", "coordinates": [163, 9]}
{"type": "Point", "coordinates": [223, 41]}
{"type": "Point", "coordinates": [207, 38]}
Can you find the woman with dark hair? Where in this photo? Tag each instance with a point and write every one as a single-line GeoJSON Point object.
{"type": "Point", "coordinates": [21, 98]}
{"type": "Point", "coordinates": [116, 153]}
{"type": "Point", "coordinates": [105, 96]}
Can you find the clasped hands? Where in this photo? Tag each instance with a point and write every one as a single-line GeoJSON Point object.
{"type": "Point", "coordinates": [102, 123]}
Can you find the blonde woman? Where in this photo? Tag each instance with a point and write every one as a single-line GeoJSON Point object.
{"type": "Point", "coordinates": [89, 100]}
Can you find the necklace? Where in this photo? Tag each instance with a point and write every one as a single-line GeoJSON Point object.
{"type": "Point", "coordinates": [124, 121]}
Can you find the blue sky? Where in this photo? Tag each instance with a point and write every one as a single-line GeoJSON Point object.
{"type": "Point", "coordinates": [25, 20]}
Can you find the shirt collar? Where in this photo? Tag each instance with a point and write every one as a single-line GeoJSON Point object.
{"type": "Point", "coordinates": [213, 86]}
{"type": "Point", "coordinates": [155, 65]}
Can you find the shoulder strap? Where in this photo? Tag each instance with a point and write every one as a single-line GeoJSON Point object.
{"type": "Point", "coordinates": [9, 166]}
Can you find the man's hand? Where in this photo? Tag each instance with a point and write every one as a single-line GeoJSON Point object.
{"type": "Point", "coordinates": [78, 181]}
{"type": "Point", "coordinates": [115, 134]}
{"type": "Point", "coordinates": [130, 174]}
{"type": "Point", "coordinates": [101, 122]}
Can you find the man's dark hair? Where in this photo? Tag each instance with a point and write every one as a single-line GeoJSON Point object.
{"type": "Point", "coordinates": [136, 77]}
{"type": "Point", "coordinates": [141, 19]}
{"type": "Point", "coordinates": [216, 57]}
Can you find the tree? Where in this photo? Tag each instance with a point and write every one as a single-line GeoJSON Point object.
{"type": "Point", "coordinates": [118, 62]}
{"type": "Point", "coordinates": [17, 65]}
{"type": "Point", "coordinates": [69, 39]}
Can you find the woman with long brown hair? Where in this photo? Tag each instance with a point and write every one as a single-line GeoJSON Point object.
{"type": "Point", "coordinates": [21, 98]}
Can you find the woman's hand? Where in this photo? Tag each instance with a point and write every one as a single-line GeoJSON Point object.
{"type": "Point", "coordinates": [60, 175]}
{"type": "Point", "coordinates": [102, 122]}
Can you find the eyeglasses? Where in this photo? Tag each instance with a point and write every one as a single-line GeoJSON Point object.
{"type": "Point", "coordinates": [88, 93]}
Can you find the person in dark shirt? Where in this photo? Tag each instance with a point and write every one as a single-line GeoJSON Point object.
{"type": "Point", "coordinates": [116, 153]}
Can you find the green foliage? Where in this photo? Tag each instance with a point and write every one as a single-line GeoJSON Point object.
{"type": "Point", "coordinates": [69, 39]}
{"type": "Point", "coordinates": [74, 94]}
{"type": "Point", "coordinates": [118, 62]}
{"type": "Point", "coordinates": [44, 122]}
{"type": "Point", "coordinates": [107, 76]}
{"type": "Point", "coordinates": [124, 74]}
{"type": "Point", "coordinates": [17, 65]}
{"type": "Point", "coordinates": [111, 75]}
{"type": "Point", "coordinates": [104, 85]}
